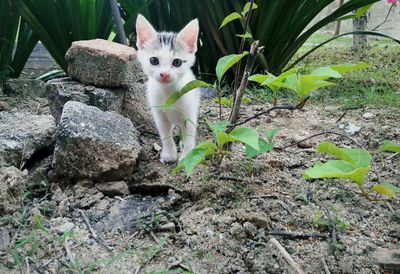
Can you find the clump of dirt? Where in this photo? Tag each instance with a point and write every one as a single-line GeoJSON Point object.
{"type": "Point", "coordinates": [221, 221]}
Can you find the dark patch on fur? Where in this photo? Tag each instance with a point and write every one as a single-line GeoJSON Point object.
{"type": "Point", "coordinates": [167, 39]}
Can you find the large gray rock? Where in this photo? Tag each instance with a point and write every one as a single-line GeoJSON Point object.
{"type": "Point", "coordinates": [25, 87]}
{"type": "Point", "coordinates": [22, 134]}
{"type": "Point", "coordinates": [12, 187]}
{"type": "Point", "coordinates": [103, 63]}
{"type": "Point", "coordinates": [60, 91]}
{"type": "Point", "coordinates": [94, 144]}
{"type": "Point", "coordinates": [130, 102]}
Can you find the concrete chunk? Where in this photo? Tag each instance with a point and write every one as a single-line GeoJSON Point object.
{"type": "Point", "coordinates": [103, 63]}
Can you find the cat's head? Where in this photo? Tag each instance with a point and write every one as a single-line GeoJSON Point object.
{"type": "Point", "coordinates": [166, 56]}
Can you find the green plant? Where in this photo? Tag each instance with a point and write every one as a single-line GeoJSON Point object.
{"type": "Point", "coordinates": [352, 164]}
{"type": "Point", "coordinates": [16, 35]}
{"type": "Point", "coordinates": [149, 223]}
{"type": "Point", "coordinates": [326, 223]}
{"type": "Point", "coordinates": [215, 150]}
{"type": "Point", "coordinates": [304, 84]}
{"type": "Point", "coordinates": [58, 23]}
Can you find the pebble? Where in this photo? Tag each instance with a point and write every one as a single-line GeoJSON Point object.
{"type": "Point", "coordinates": [167, 227]}
{"type": "Point", "coordinates": [68, 226]}
{"type": "Point", "coordinates": [4, 106]}
{"type": "Point", "coordinates": [352, 129]}
{"type": "Point", "coordinates": [368, 115]}
{"type": "Point", "coordinates": [209, 233]}
{"type": "Point", "coordinates": [250, 229]}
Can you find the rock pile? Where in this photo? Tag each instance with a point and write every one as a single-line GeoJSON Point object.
{"type": "Point", "coordinates": [105, 75]}
{"type": "Point", "coordinates": [91, 133]}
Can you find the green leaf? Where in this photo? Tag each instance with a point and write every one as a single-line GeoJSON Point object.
{"type": "Point", "coordinates": [326, 71]}
{"type": "Point", "coordinates": [263, 147]}
{"type": "Point", "coordinates": [390, 146]}
{"type": "Point", "coordinates": [386, 189]}
{"type": "Point", "coordinates": [16, 256]}
{"type": "Point", "coordinates": [227, 62]}
{"type": "Point", "coordinates": [363, 10]}
{"type": "Point", "coordinates": [194, 158]}
{"type": "Point", "coordinates": [218, 127]}
{"type": "Point", "coordinates": [224, 138]}
{"type": "Point", "coordinates": [230, 18]}
{"type": "Point", "coordinates": [356, 157]}
{"type": "Point", "coordinates": [247, 136]}
{"type": "Point", "coordinates": [227, 102]}
{"type": "Point", "coordinates": [337, 169]}
{"type": "Point", "coordinates": [343, 68]}
{"type": "Point", "coordinates": [246, 8]}
{"type": "Point", "coordinates": [309, 83]}
{"type": "Point", "coordinates": [258, 78]}
{"type": "Point", "coordinates": [172, 99]}
{"type": "Point", "coordinates": [270, 134]}
{"type": "Point", "coordinates": [247, 35]}
{"type": "Point", "coordinates": [192, 85]}
{"type": "Point", "coordinates": [188, 87]}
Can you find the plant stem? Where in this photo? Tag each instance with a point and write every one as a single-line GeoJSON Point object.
{"type": "Point", "coordinates": [288, 107]}
{"type": "Point", "coordinates": [241, 49]}
{"type": "Point", "coordinates": [386, 18]}
{"type": "Point", "coordinates": [234, 115]}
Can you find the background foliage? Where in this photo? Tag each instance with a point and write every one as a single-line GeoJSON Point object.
{"type": "Point", "coordinates": [13, 26]}
{"type": "Point", "coordinates": [281, 26]}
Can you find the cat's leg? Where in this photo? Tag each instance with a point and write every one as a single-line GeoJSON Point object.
{"type": "Point", "coordinates": [165, 129]}
{"type": "Point", "coordinates": [188, 130]}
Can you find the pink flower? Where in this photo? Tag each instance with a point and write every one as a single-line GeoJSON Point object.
{"type": "Point", "coordinates": [393, 2]}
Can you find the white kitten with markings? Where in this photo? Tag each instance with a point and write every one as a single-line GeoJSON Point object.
{"type": "Point", "coordinates": [166, 59]}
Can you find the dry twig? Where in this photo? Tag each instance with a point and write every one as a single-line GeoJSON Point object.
{"type": "Point", "coordinates": [297, 235]}
{"type": "Point", "coordinates": [93, 232]}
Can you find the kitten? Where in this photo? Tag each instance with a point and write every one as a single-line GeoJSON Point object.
{"type": "Point", "coordinates": [166, 59]}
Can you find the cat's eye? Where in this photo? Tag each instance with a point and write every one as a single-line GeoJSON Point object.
{"type": "Point", "coordinates": [154, 61]}
{"type": "Point", "coordinates": [177, 63]}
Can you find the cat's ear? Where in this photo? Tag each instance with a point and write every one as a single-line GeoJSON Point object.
{"type": "Point", "coordinates": [189, 34]}
{"type": "Point", "coordinates": [145, 31]}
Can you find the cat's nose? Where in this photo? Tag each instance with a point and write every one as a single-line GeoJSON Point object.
{"type": "Point", "coordinates": [165, 76]}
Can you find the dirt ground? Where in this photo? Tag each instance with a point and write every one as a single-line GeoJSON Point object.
{"type": "Point", "coordinates": [220, 221]}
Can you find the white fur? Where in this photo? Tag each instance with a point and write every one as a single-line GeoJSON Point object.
{"type": "Point", "coordinates": [183, 113]}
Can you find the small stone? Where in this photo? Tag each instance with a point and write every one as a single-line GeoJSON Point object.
{"type": "Point", "coordinates": [387, 259]}
{"type": "Point", "coordinates": [3, 106]}
{"type": "Point", "coordinates": [352, 129]}
{"type": "Point", "coordinates": [368, 115]}
{"type": "Point", "coordinates": [68, 226]}
{"type": "Point", "coordinates": [250, 229]}
{"type": "Point", "coordinates": [210, 233]}
{"type": "Point", "coordinates": [304, 144]}
{"type": "Point", "coordinates": [168, 227]}
{"type": "Point", "coordinates": [113, 188]}
{"type": "Point", "coordinates": [156, 147]}
{"type": "Point", "coordinates": [4, 239]}
{"type": "Point", "coordinates": [85, 183]}
{"type": "Point", "coordinates": [12, 186]}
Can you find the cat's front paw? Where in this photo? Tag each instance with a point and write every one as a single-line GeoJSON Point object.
{"type": "Point", "coordinates": [168, 156]}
